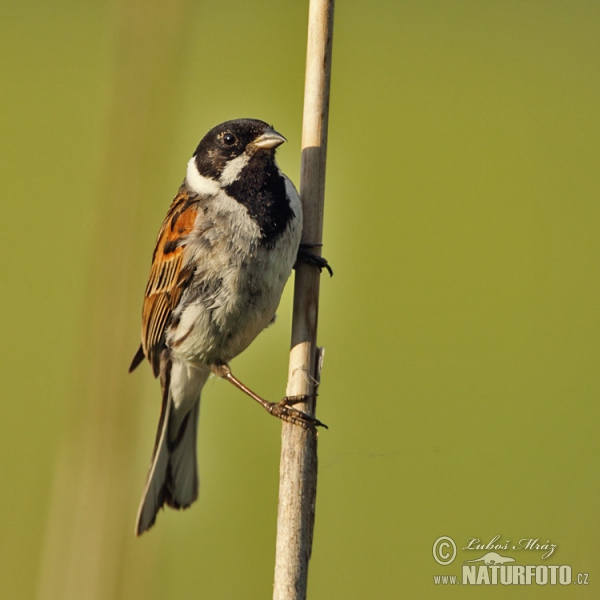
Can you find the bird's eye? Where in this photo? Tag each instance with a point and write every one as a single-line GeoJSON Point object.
{"type": "Point", "coordinates": [229, 139]}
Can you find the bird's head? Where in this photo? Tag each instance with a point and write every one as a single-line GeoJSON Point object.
{"type": "Point", "coordinates": [227, 149]}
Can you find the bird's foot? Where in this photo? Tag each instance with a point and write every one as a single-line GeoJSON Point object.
{"type": "Point", "coordinates": [283, 411]}
{"type": "Point", "coordinates": [310, 258]}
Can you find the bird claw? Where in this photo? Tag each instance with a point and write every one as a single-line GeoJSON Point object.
{"type": "Point", "coordinates": [283, 411]}
{"type": "Point", "coordinates": [291, 400]}
{"type": "Point", "coordinates": [308, 257]}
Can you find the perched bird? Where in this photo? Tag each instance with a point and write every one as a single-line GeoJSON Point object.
{"type": "Point", "coordinates": [223, 255]}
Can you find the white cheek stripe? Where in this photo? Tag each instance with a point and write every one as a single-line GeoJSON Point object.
{"type": "Point", "coordinates": [198, 183]}
{"type": "Point", "coordinates": [233, 169]}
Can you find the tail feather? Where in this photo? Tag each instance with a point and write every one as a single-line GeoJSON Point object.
{"type": "Point", "coordinates": [182, 477]}
{"type": "Point", "coordinates": [173, 475]}
{"type": "Point", "coordinates": [155, 491]}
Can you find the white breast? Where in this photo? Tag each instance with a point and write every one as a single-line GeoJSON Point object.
{"type": "Point", "coordinates": [250, 281]}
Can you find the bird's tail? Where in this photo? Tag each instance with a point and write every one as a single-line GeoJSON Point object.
{"type": "Point", "coordinates": [173, 475]}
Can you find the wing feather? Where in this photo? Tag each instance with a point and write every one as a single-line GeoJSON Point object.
{"type": "Point", "coordinates": [168, 275]}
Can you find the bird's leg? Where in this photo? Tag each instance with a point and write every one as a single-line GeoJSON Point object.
{"type": "Point", "coordinates": [281, 410]}
{"type": "Point", "coordinates": [308, 257]}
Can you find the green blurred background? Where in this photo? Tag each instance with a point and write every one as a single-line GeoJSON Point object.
{"type": "Point", "coordinates": [461, 378]}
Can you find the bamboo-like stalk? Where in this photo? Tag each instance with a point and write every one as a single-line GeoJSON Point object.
{"type": "Point", "coordinates": [298, 465]}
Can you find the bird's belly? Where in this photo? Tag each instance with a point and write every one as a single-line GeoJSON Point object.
{"type": "Point", "coordinates": [216, 327]}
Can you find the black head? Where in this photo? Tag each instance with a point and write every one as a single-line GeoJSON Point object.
{"type": "Point", "coordinates": [241, 139]}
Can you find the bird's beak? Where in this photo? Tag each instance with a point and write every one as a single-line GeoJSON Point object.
{"type": "Point", "coordinates": [269, 139]}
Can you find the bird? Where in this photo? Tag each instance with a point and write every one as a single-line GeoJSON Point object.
{"type": "Point", "coordinates": [223, 254]}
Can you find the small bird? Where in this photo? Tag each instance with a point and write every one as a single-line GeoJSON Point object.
{"type": "Point", "coordinates": [223, 255]}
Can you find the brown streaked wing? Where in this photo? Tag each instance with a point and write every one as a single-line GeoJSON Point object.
{"type": "Point", "coordinates": [167, 277]}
